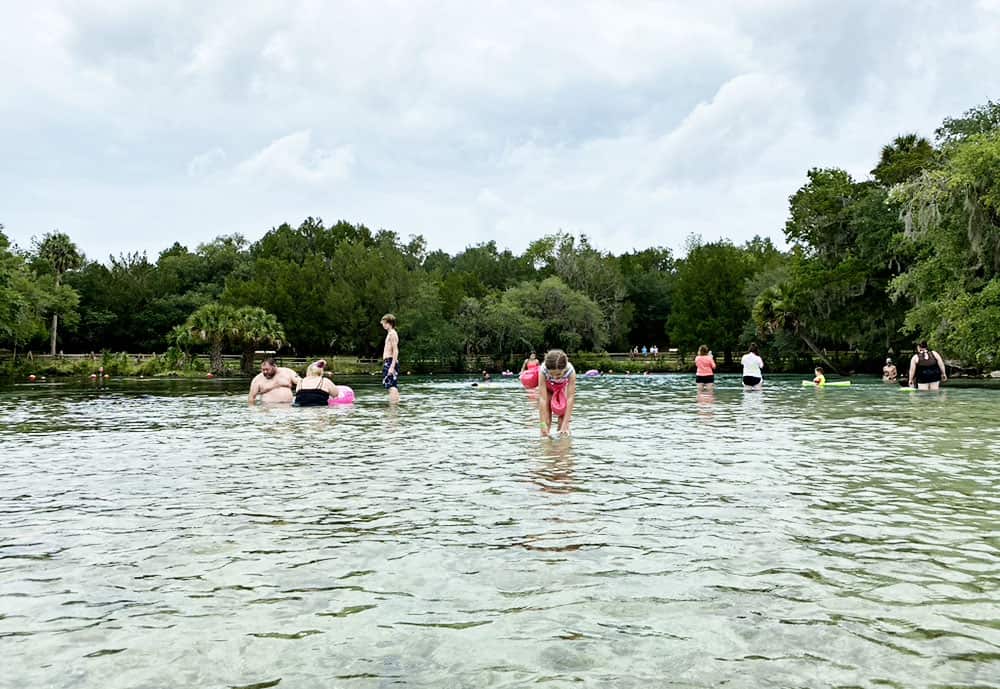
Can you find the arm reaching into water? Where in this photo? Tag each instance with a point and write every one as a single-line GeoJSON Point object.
{"type": "Point", "coordinates": [544, 410]}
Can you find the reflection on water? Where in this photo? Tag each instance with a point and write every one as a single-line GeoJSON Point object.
{"type": "Point", "coordinates": [789, 537]}
{"type": "Point", "coordinates": [555, 473]}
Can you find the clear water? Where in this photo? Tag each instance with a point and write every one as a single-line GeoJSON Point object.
{"type": "Point", "coordinates": [163, 534]}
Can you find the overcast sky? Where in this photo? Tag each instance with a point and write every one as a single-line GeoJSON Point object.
{"type": "Point", "coordinates": [132, 125]}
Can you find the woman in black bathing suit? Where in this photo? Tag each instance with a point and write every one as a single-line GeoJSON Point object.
{"type": "Point", "coordinates": [315, 390]}
{"type": "Point", "coordinates": [927, 370]}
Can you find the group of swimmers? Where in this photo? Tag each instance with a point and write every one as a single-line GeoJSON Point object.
{"type": "Point", "coordinates": [753, 367]}
{"type": "Point", "coordinates": [554, 378]}
{"type": "Point", "coordinates": [927, 369]}
{"type": "Point", "coordinates": [278, 384]}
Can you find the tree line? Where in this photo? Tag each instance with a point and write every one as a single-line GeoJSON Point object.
{"type": "Point", "coordinates": [911, 252]}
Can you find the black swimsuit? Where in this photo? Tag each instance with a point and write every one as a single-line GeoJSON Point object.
{"type": "Point", "coordinates": [928, 370]}
{"type": "Point", "coordinates": [311, 397]}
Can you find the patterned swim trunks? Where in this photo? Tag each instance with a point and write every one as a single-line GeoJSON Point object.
{"type": "Point", "coordinates": [389, 380]}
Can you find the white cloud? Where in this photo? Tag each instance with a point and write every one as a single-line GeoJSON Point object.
{"type": "Point", "coordinates": [293, 159]}
{"type": "Point", "coordinates": [636, 122]}
{"type": "Point", "coordinates": [206, 163]}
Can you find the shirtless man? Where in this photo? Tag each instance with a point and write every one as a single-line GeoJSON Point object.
{"type": "Point", "coordinates": [390, 358]}
{"type": "Point", "coordinates": [274, 383]}
{"type": "Point", "coordinates": [889, 372]}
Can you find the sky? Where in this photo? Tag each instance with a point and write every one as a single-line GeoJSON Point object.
{"type": "Point", "coordinates": [133, 125]}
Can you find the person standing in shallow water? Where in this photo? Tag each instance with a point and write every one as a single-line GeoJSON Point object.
{"type": "Point", "coordinates": [704, 369]}
{"type": "Point", "coordinates": [889, 372]}
{"type": "Point", "coordinates": [390, 357]}
{"type": "Point", "coordinates": [556, 391]}
{"type": "Point", "coordinates": [530, 362]}
{"type": "Point", "coordinates": [927, 370]}
{"type": "Point", "coordinates": [753, 365]}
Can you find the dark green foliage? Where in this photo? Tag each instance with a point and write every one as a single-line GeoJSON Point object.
{"type": "Point", "coordinates": [708, 303]}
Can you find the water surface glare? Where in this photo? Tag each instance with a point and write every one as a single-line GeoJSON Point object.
{"type": "Point", "coordinates": [163, 534]}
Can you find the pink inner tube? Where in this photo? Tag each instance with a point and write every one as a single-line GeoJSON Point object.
{"type": "Point", "coordinates": [345, 395]}
{"type": "Point", "coordinates": [529, 378]}
{"type": "Point", "coordinates": [592, 372]}
{"type": "Point", "coordinates": [557, 402]}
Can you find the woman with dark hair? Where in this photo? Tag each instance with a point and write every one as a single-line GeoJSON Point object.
{"type": "Point", "coordinates": [753, 365]}
{"type": "Point", "coordinates": [927, 370]}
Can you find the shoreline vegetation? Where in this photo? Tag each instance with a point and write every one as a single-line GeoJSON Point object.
{"type": "Point", "coordinates": [910, 253]}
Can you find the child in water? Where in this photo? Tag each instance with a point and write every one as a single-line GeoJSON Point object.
{"type": "Point", "coordinates": [820, 379]}
{"type": "Point", "coordinates": [556, 391]}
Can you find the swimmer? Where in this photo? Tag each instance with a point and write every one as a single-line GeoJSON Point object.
{"type": "Point", "coordinates": [315, 390]}
{"type": "Point", "coordinates": [274, 383]}
{"type": "Point", "coordinates": [820, 379]}
{"type": "Point", "coordinates": [889, 372]}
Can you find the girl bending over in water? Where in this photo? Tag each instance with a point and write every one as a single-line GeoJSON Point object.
{"type": "Point", "coordinates": [556, 391]}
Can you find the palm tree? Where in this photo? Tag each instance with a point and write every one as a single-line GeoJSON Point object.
{"type": "Point", "coordinates": [256, 327]}
{"type": "Point", "coordinates": [773, 313]}
{"type": "Point", "coordinates": [903, 159]}
{"type": "Point", "coordinates": [58, 250]}
{"type": "Point", "coordinates": [214, 324]}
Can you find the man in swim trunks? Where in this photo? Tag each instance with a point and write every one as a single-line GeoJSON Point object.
{"type": "Point", "coordinates": [390, 357]}
{"type": "Point", "coordinates": [274, 383]}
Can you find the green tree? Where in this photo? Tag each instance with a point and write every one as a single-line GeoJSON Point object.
{"type": "Point", "coordinates": [214, 325]}
{"type": "Point", "coordinates": [709, 306]}
{"type": "Point", "coordinates": [23, 299]}
{"type": "Point", "coordinates": [903, 159]}
{"type": "Point", "coordinates": [61, 254]}
{"type": "Point", "coordinates": [981, 119]}
{"type": "Point", "coordinates": [255, 328]}
{"type": "Point", "coordinates": [648, 275]}
{"type": "Point", "coordinates": [952, 221]}
{"type": "Point", "coordinates": [834, 291]}
{"type": "Point", "coordinates": [569, 319]}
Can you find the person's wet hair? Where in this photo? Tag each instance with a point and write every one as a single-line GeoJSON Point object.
{"type": "Point", "coordinates": [922, 345]}
{"type": "Point", "coordinates": [390, 319]}
{"type": "Point", "coordinates": [556, 360]}
{"type": "Point", "coordinates": [269, 361]}
{"type": "Point", "coordinates": [753, 348]}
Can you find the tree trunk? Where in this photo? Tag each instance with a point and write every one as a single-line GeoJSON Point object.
{"type": "Point", "coordinates": [246, 365]}
{"type": "Point", "coordinates": [216, 358]}
{"type": "Point", "coordinates": [55, 327]}
{"type": "Point", "coordinates": [817, 352]}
